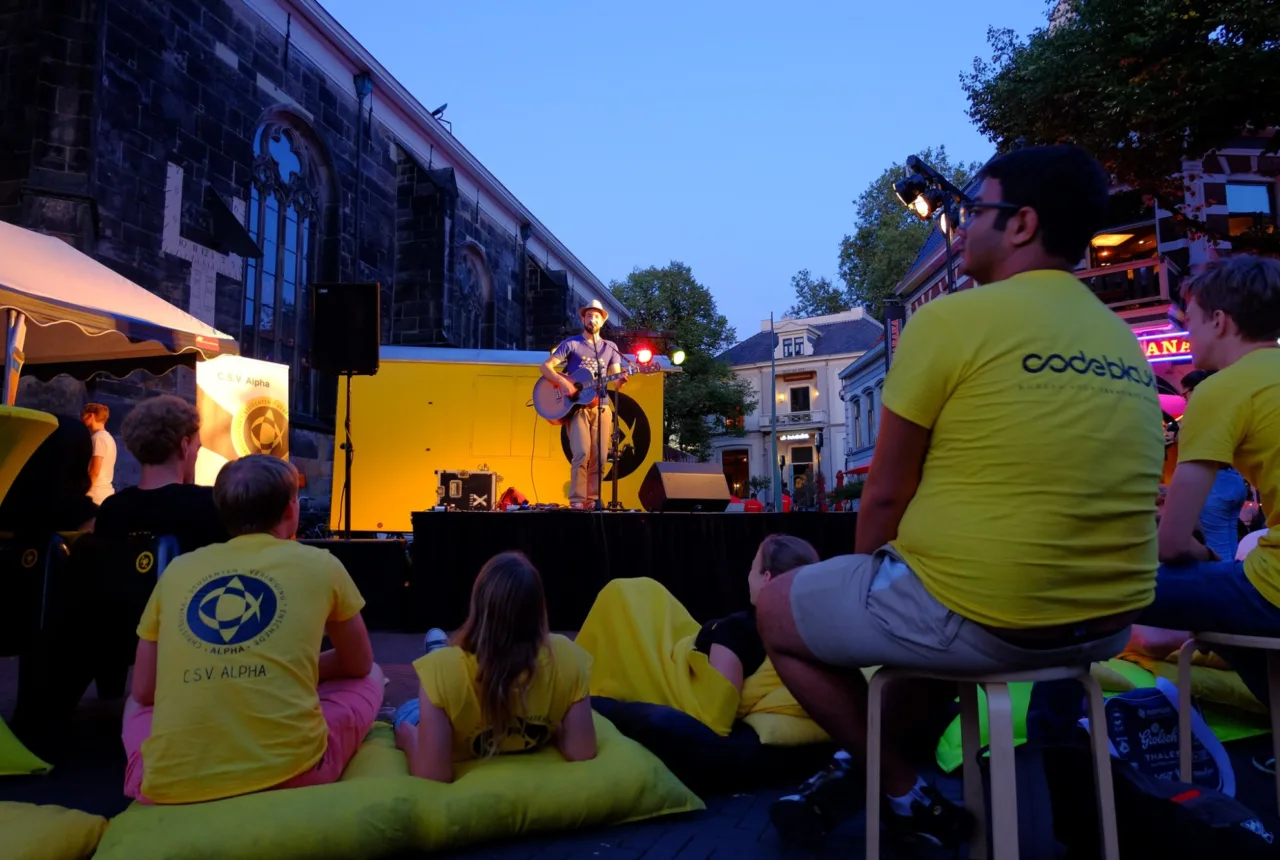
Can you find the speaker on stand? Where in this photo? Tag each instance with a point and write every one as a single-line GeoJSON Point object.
{"type": "Point", "coordinates": [346, 331]}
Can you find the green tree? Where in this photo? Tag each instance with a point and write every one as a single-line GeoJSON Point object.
{"type": "Point", "coordinates": [706, 399]}
{"type": "Point", "coordinates": [888, 236]}
{"type": "Point", "coordinates": [1140, 85]}
{"type": "Point", "coordinates": [816, 298]}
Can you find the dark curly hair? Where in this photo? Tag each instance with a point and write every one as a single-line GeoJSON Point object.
{"type": "Point", "coordinates": [154, 430]}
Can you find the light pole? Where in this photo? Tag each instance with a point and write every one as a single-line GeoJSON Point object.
{"type": "Point", "coordinates": [774, 469]}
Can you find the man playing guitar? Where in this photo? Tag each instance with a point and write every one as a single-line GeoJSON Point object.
{"type": "Point", "coordinates": [599, 356]}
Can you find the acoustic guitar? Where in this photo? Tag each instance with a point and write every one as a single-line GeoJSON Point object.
{"type": "Point", "coordinates": [553, 404]}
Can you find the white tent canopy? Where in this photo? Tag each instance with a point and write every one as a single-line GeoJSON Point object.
{"type": "Point", "coordinates": [66, 312]}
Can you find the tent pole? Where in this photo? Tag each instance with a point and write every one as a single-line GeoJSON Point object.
{"type": "Point", "coordinates": [14, 341]}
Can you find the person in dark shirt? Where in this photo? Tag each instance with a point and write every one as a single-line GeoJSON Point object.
{"type": "Point", "coordinates": [732, 644]}
{"type": "Point", "coordinates": [49, 493]}
{"type": "Point", "coordinates": [163, 433]}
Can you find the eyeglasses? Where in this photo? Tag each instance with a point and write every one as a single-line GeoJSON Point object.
{"type": "Point", "coordinates": [969, 211]}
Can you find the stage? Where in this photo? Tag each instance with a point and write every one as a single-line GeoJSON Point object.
{"type": "Point", "coordinates": [702, 558]}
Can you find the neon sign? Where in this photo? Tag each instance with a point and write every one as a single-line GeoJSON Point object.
{"type": "Point", "coordinates": [1166, 347]}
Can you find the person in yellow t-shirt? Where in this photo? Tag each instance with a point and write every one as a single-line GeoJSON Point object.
{"type": "Point", "coordinates": [231, 693]}
{"type": "Point", "coordinates": [1008, 519]}
{"type": "Point", "coordinates": [1232, 320]}
{"type": "Point", "coordinates": [508, 685]}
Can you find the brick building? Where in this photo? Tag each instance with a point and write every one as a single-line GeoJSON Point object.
{"type": "Point", "coordinates": [154, 134]}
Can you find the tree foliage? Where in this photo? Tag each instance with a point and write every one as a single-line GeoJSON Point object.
{"type": "Point", "coordinates": [1140, 84]}
{"type": "Point", "coordinates": [706, 399]}
{"type": "Point", "coordinates": [816, 298]}
{"type": "Point", "coordinates": [887, 236]}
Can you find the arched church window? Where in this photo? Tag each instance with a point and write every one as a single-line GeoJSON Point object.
{"type": "Point", "coordinates": [284, 216]}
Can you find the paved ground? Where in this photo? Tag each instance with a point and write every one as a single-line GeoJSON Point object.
{"type": "Point", "coordinates": [734, 826]}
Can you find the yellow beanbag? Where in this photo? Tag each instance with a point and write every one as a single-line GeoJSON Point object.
{"type": "Point", "coordinates": [30, 832]}
{"type": "Point", "coordinates": [15, 759]}
{"type": "Point", "coordinates": [377, 810]}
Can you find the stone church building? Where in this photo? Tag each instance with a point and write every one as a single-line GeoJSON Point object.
{"type": "Point", "coordinates": [173, 140]}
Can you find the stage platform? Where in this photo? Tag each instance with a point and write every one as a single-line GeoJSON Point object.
{"type": "Point", "coordinates": [703, 558]}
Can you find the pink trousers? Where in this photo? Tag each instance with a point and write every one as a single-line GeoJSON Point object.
{"type": "Point", "coordinates": [350, 706]}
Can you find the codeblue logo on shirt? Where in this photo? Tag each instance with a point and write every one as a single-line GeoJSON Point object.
{"type": "Point", "coordinates": [229, 610]}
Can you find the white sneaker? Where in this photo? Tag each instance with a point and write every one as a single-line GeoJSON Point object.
{"type": "Point", "coordinates": [435, 638]}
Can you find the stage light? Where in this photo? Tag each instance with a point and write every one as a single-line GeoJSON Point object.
{"type": "Point", "coordinates": [927, 203]}
{"type": "Point", "coordinates": [677, 357]}
{"type": "Point", "coordinates": [644, 355]}
{"type": "Point", "coordinates": [910, 188]}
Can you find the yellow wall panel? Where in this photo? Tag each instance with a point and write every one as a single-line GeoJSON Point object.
{"type": "Point", "coordinates": [415, 417]}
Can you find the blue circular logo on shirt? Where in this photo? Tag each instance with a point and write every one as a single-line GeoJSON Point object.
{"type": "Point", "coordinates": [229, 610]}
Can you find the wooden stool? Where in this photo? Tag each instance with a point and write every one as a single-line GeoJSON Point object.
{"type": "Point", "coordinates": [1004, 794]}
{"type": "Point", "coordinates": [1189, 648]}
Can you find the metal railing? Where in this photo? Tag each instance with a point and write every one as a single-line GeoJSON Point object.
{"type": "Point", "coordinates": [808, 416]}
{"type": "Point", "coordinates": [1126, 285]}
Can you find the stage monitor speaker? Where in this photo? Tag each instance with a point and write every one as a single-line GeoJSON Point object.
{"type": "Point", "coordinates": [346, 328]}
{"type": "Point", "coordinates": [685, 487]}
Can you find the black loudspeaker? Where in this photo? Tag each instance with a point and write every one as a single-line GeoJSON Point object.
{"type": "Point", "coordinates": [685, 487]}
{"type": "Point", "coordinates": [346, 328]}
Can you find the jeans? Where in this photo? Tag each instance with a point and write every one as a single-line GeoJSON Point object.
{"type": "Point", "coordinates": [1216, 597]}
{"type": "Point", "coordinates": [1220, 518]}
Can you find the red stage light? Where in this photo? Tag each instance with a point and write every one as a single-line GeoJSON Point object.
{"type": "Point", "coordinates": [644, 355]}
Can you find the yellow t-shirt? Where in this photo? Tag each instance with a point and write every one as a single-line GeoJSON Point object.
{"type": "Point", "coordinates": [448, 677]}
{"type": "Point", "coordinates": [1234, 417]}
{"type": "Point", "coordinates": [238, 627]}
{"type": "Point", "coordinates": [1036, 504]}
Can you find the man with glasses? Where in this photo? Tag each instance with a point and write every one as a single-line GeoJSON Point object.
{"type": "Point", "coordinates": [1007, 523]}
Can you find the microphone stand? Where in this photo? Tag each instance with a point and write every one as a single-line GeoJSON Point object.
{"type": "Point", "coordinates": [602, 400]}
{"type": "Point", "coordinates": [614, 456]}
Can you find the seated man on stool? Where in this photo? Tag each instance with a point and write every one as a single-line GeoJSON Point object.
{"type": "Point", "coordinates": [231, 693]}
{"type": "Point", "coordinates": [1007, 521]}
{"type": "Point", "coordinates": [1232, 319]}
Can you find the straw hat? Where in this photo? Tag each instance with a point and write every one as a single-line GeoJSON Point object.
{"type": "Point", "coordinates": [594, 306]}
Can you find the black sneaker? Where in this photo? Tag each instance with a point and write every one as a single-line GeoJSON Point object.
{"type": "Point", "coordinates": [939, 821]}
{"type": "Point", "coordinates": [822, 802]}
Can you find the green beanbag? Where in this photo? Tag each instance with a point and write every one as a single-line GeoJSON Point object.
{"type": "Point", "coordinates": [16, 759]}
{"type": "Point", "coordinates": [32, 832]}
{"type": "Point", "coordinates": [378, 810]}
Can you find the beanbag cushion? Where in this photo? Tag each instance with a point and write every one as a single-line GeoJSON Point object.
{"type": "Point", "coordinates": [710, 763]}
{"type": "Point", "coordinates": [16, 759]}
{"type": "Point", "coordinates": [378, 810]}
{"type": "Point", "coordinates": [32, 832]}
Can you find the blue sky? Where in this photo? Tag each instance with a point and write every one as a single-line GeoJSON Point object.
{"type": "Point", "coordinates": [731, 136]}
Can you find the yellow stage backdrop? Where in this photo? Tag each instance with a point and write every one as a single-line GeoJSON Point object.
{"type": "Point", "coordinates": [447, 409]}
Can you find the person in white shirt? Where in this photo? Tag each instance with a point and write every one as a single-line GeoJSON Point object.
{"type": "Point", "coordinates": [102, 468]}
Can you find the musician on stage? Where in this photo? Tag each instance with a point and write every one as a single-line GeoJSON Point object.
{"type": "Point", "coordinates": [601, 357]}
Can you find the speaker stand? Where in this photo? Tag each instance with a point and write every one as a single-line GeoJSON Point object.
{"type": "Point", "coordinates": [348, 452]}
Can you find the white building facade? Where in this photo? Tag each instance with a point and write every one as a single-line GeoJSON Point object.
{"type": "Point", "coordinates": [811, 421]}
{"type": "Point", "coordinates": [861, 389]}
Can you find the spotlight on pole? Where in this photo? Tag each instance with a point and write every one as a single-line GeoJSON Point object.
{"type": "Point", "coordinates": [644, 355]}
{"type": "Point", "coordinates": [910, 188]}
{"type": "Point", "coordinates": [677, 356]}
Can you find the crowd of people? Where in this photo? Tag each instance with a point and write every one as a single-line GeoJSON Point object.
{"type": "Point", "coordinates": [993, 535]}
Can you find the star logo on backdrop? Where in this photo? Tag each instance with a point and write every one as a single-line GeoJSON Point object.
{"type": "Point", "coordinates": [261, 427]}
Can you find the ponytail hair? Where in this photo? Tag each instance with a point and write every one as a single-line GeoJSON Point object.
{"type": "Point", "coordinates": [506, 629]}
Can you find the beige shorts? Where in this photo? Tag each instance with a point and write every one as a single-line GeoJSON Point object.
{"type": "Point", "coordinates": [871, 610]}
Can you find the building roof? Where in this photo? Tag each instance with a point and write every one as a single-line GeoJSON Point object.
{"type": "Point", "coordinates": [316, 33]}
{"type": "Point", "coordinates": [838, 338]}
{"type": "Point", "coordinates": [862, 362]}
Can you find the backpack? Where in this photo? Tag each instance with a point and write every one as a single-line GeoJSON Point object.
{"type": "Point", "coordinates": [1142, 727]}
